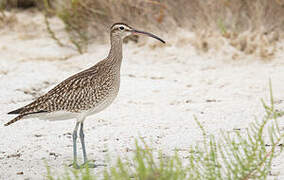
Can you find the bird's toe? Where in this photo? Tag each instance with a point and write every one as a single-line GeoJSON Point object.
{"type": "Point", "coordinates": [74, 165]}
{"type": "Point", "coordinates": [91, 165]}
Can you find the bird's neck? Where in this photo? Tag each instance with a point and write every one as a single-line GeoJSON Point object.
{"type": "Point", "coordinates": [115, 53]}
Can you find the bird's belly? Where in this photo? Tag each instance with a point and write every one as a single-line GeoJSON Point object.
{"type": "Point", "coordinates": [57, 115]}
{"type": "Point", "coordinates": [65, 115]}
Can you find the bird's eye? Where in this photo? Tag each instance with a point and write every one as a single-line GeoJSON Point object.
{"type": "Point", "coordinates": [121, 27]}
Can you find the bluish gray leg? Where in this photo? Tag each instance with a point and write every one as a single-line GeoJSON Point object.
{"type": "Point", "coordinates": [75, 164]}
{"type": "Point", "coordinates": [82, 136]}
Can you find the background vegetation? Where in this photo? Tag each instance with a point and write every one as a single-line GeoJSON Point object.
{"type": "Point", "coordinates": [252, 27]}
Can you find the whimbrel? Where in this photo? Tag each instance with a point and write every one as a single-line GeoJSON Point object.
{"type": "Point", "coordinates": [85, 93]}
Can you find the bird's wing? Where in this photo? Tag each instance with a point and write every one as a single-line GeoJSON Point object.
{"type": "Point", "coordinates": [73, 94]}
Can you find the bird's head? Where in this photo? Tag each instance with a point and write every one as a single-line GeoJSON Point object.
{"type": "Point", "coordinates": [123, 30]}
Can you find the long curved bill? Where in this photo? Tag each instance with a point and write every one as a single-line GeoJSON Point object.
{"type": "Point", "coordinates": [134, 31]}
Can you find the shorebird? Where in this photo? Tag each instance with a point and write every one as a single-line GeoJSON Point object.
{"type": "Point", "coordinates": [85, 93]}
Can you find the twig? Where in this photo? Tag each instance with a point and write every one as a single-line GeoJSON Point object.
{"type": "Point", "coordinates": [50, 31]}
{"type": "Point", "coordinates": [76, 44]}
{"type": "Point", "coordinates": [262, 162]}
{"type": "Point", "coordinates": [3, 15]}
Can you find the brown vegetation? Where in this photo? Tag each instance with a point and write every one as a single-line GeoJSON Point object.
{"type": "Point", "coordinates": [223, 15]}
{"type": "Point", "coordinates": [249, 26]}
{"type": "Point", "coordinates": [18, 3]}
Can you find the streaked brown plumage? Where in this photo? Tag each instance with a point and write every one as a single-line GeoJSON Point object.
{"type": "Point", "coordinates": [85, 93]}
{"type": "Point", "coordinates": [78, 93]}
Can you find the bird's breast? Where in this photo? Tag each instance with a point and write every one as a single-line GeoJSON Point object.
{"type": "Point", "coordinates": [103, 103]}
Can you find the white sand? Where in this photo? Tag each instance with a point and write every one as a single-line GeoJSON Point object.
{"type": "Point", "coordinates": [162, 87]}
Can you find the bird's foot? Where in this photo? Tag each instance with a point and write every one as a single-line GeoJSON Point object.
{"type": "Point", "coordinates": [74, 165]}
{"type": "Point", "coordinates": [85, 165]}
{"type": "Point", "coordinates": [91, 165]}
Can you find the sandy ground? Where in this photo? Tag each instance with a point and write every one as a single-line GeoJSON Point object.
{"type": "Point", "coordinates": [162, 87]}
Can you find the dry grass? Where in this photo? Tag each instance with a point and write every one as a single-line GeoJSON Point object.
{"type": "Point", "coordinates": [251, 27]}
{"type": "Point", "coordinates": [7, 20]}
{"type": "Point", "coordinates": [223, 15]}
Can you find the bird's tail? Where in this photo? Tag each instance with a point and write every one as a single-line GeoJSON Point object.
{"type": "Point", "coordinates": [14, 120]}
